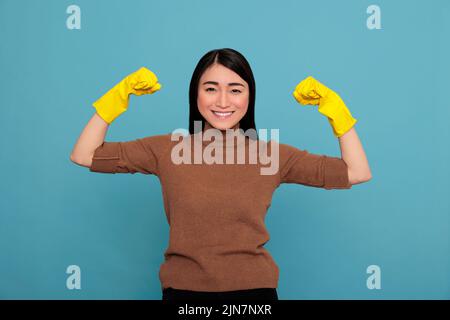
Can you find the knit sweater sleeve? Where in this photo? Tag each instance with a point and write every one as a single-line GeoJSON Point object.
{"type": "Point", "coordinates": [315, 170]}
{"type": "Point", "coordinates": [134, 156]}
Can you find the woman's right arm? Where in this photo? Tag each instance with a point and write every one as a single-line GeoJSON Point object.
{"type": "Point", "coordinates": [109, 107]}
{"type": "Point", "coordinates": [92, 136]}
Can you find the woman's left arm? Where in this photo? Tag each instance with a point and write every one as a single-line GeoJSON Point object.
{"type": "Point", "coordinates": [354, 156]}
{"type": "Point", "coordinates": [312, 92]}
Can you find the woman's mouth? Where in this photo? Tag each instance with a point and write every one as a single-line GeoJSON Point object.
{"type": "Point", "coordinates": [222, 115]}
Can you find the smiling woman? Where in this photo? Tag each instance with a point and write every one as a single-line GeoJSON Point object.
{"type": "Point", "coordinates": [216, 247]}
{"type": "Point", "coordinates": [222, 91]}
{"type": "Point", "coordinates": [218, 95]}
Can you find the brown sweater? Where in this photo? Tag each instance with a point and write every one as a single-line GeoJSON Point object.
{"type": "Point", "coordinates": [216, 211]}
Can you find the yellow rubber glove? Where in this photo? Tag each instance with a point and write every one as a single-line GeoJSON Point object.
{"type": "Point", "coordinates": [115, 101]}
{"type": "Point", "coordinates": [312, 92]}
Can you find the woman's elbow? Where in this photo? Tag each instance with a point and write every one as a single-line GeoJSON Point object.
{"type": "Point", "coordinates": [366, 177]}
{"type": "Point", "coordinates": [81, 161]}
{"type": "Point", "coordinates": [355, 178]}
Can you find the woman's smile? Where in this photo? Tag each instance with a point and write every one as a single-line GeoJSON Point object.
{"type": "Point", "coordinates": [221, 115]}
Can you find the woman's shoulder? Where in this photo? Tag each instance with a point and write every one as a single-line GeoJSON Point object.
{"type": "Point", "coordinates": [285, 151]}
{"type": "Point", "coordinates": [159, 143]}
{"type": "Point", "coordinates": [282, 147]}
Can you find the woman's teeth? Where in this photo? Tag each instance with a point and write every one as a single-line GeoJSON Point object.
{"type": "Point", "coordinates": [223, 115]}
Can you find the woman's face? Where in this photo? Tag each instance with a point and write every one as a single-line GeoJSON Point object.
{"type": "Point", "coordinates": [223, 97]}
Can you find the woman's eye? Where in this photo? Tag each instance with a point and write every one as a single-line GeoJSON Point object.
{"type": "Point", "coordinates": [234, 90]}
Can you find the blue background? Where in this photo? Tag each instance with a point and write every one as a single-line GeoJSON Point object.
{"type": "Point", "coordinates": [394, 81]}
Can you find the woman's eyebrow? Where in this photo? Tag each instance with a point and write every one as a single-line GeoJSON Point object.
{"type": "Point", "coordinates": [230, 84]}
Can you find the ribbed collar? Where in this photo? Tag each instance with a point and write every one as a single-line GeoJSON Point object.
{"type": "Point", "coordinates": [236, 136]}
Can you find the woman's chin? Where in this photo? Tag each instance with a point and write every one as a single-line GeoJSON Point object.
{"type": "Point", "coordinates": [221, 125]}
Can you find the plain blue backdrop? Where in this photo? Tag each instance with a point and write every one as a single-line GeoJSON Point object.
{"type": "Point", "coordinates": [54, 213]}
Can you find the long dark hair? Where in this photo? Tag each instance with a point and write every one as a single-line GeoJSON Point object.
{"type": "Point", "coordinates": [230, 59]}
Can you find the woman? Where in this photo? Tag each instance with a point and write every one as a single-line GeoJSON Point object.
{"type": "Point", "coordinates": [216, 211]}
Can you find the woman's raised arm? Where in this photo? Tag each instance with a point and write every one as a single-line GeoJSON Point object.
{"type": "Point", "coordinates": [311, 92]}
{"type": "Point", "coordinates": [90, 139]}
{"type": "Point", "coordinates": [108, 108]}
{"type": "Point", "coordinates": [352, 152]}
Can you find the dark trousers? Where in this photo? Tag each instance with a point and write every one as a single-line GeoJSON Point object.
{"type": "Point", "coordinates": [249, 294]}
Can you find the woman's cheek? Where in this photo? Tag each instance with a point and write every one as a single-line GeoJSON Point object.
{"type": "Point", "coordinates": [203, 101]}
{"type": "Point", "coordinates": [241, 103]}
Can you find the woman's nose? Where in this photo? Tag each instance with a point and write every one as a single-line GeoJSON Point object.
{"type": "Point", "coordinates": [222, 100]}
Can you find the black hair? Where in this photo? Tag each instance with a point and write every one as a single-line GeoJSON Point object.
{"type": "Point", "coordinates": [230, 59]}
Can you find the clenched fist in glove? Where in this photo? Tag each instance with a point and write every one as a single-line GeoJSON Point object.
{"type": "Point", "coordinates": [311, 92]}
{"type": "Point", "coordinates": [115, 101]}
